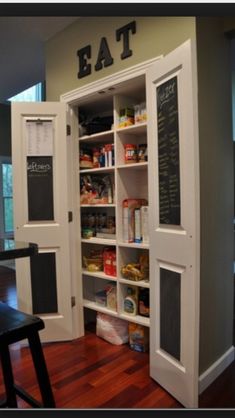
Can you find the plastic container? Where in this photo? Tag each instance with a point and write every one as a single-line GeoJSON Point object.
{"type": "Point", "coordinates": [131, 301]}
{"type": "Point", "coordinates": [130, 153]}
{"type": "Point", "coordinates": [144, 302]}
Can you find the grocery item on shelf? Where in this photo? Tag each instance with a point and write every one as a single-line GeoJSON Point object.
{"type": "Point", "coordinates": [98, 225]}
{"type": "Point", "coordinates": [109, 261]}
{"type": "Point", "coordinates": [142, 153]}
{"type": "Point", "coordinates": [137, 271]}
{"type": "Point", "coordinates": [140, 113]}
{"type": "Point", "coordinates": [126, 117]}
{"type": "Point", "coordinates": [143, 307]}
{"type": "Point", "coordinates": [96, 157]}
{"type": "Point", "coordinates": [113, 330]}
{"type": "Point", "coordinates": [129, 206]}
{"type": "Point", "coordinates": [91, 125]}
{"type": "Point", "coordinates": [144, 265]}
{"type": "Point", "coordinates": [86, 159]}
{"type": "Point", "coordinates": [138, 234]}
{"type": "Point", "coordinates": [101, 298]}
{"type": "Point", "coordinates": [135, 154]}
{"type": "Point", "coordinates": [96, 189]}
{"type": "Point", "coordinates": [94, 261]}
{"type": "Point", "coordinates": [138, 337]}
{"type": "Point", "coordinates": [130, 304]}
{"type": "Point", "coordinates": [144, 219]}
{"type": "Point", "coordinates": [130, 153]}
{"type": "Point", "coordinates": [108, 296]}
{"type": "Point", "coordinates": [111, 296]}
{"type": "Point", "coordinates": [131, 271]}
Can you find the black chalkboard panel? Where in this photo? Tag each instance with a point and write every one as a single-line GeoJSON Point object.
{"type": "Point", "coordinates": [43, 283]}
{"type": "Point", "coordinates": [168, 152]}
{"type": "Point", "coordinates": [170, 313]}
{"type": "Point", "coordinates": [40, 188]}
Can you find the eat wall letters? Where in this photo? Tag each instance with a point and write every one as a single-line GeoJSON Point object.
{"type": "Point", "coordinates": [104, 57]}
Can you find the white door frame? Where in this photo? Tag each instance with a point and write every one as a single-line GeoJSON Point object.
{"type": "Point", "coordinates": [72, 99]}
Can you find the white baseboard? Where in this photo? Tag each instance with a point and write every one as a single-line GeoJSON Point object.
{"type": "Point", "coordinates": [215, 370]}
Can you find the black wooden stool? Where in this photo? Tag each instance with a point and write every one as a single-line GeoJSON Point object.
{"type": "Point", "coordinates": [16, 326]}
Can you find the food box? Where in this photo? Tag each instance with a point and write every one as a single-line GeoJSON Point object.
{"type": "Point", "coordinates": [129, 206]}
{"type": "Point", "coordinates": [100, 298]}
{"type": "Point", "coordinates": [138, 337]}
{"type": "Point", "coordinates": [126, 117]}
{"type": "Point", "coordinates": [111, 295]}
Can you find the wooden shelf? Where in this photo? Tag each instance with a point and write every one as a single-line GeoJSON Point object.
{"type": "Point", "coordinates": [141, 283]}
{"type": "Point", "coordinates": [102, 241]}
{"type": "Point", "coordinates": [97, 170]}
{"type": "Point", "coordinates": [99, 274]}
{"type": "Point", "coordinates": [137, 319]}
{"type": "Point", "coordinates": [108, 205]}
{"type": "Point", "coordinates": [134, 245]}
{"type": "Point", "coordinates": [98, 137]}
{"type": "Point", "coordinates": [99, 308]}
{"type": "Point", "coordinates": [134, 166]}
{"type": "Point", "coordinates": [133, 129]}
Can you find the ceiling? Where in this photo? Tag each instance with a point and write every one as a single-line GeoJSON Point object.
{"type": "Point", "coordinates": [22, 50]}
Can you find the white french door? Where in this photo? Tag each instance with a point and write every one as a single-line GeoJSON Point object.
{"type": "Point", "coordinates": [174, 223]}
{"type": "Point", "coordinates": [39, 158]}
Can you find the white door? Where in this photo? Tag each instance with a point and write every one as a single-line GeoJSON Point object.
{"type": "Point", "coordinates": [174, 223]}
{"type": "Point", "coordinates": [41, 214]}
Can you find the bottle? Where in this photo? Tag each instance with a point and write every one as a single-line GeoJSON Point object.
{"type": "Point", "coordinates": [144, 302]}
{"type": "Point", "coordinates": [131, 301]}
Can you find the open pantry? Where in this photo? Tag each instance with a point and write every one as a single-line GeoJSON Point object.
{"type": "Point", "coordinates": [119, 225]}
{"type": "Point", "coordinates": [113, 203]}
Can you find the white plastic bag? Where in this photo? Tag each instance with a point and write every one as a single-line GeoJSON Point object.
{"type": "Point", "coordinates": [113, 330]}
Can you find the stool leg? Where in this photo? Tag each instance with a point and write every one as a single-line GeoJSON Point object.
{"type": "Point", "coordinates": [41, 370]}
{"type": "Point", "coordinates": [8, 377]}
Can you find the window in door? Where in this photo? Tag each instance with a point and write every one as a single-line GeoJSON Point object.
{"type": "Point", "coordinates": [6, 205]}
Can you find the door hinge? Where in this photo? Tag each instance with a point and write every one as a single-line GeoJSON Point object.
{"type": "Point", "coordinates": [68, 130]}
{"type": "Point", "coordinates": [70, 216]}
{"type": "Point", "coordinates": [73, 301]}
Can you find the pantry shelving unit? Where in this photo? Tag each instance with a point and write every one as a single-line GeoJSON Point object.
{"type": "Point", "coordinates": [130, 182]}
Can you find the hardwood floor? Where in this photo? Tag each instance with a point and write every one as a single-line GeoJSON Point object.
{"type": "Point", "coordinates": [91, 373]}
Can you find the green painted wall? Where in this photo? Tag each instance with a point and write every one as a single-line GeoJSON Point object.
{"type": "Point", "coordinates": [150, 40]}
{"type": "Point", "coordinates": [216, 190]}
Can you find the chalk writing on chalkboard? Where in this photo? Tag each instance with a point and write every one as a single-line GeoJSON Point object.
{"type": "Point", "coordinates": [40, 188]}
{"type": "Point", "coordinates": [168, 152]}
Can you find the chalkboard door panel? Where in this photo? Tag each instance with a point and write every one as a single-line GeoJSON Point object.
{"type": "Point", "coordinates": [168, 152]}
{"type": "Point", "coordinates": [174, 223]}
{"type": "Point", "coordinates": [40, 189]}
{"type": "Point", "coordinates": [43, 283]}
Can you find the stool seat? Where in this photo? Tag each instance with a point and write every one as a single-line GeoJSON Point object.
{"type": "Point", "coordinates": [16, 326]}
